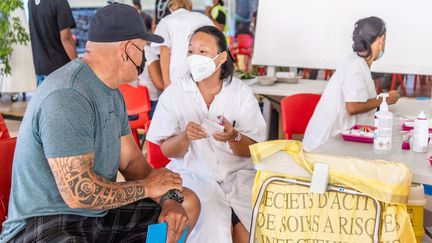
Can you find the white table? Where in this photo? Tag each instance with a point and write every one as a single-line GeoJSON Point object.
{"type": "Point", "coordinates": [286, 89]}
{"type": "Point", "coordinates": [416, 162]}
{"type": "Point", "coordinates": [272, 95]}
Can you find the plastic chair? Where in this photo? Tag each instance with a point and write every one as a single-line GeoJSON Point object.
{"type": "Point", "coordinates": [138, 106]}
{"type": "Point", "coordinates": [296, 112]}
{"type": "Point", "coordinates": [7, 150]}
{"type": "Point", "coordinates": [4, 132]}
{"type": "Point", "coordinates": [244, 47]}
{"type": "Point", "coordinates": [401, 79]}
{"type": "Point", "coordinates": [155, 157]}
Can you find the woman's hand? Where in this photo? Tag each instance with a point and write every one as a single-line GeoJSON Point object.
{"type": "Point", "coordinates": [195, 131]}
{"type": "Point", "coordinates": [393, 97]}
{"type": "Point", "coordinates": [228, 134]}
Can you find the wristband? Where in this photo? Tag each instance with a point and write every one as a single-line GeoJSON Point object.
{"type": "Point", "coordinates": [236, 139]}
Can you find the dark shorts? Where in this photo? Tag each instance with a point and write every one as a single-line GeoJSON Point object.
{"type": "Point", "coordinates": [125, 224]}
{"type": "Point", "coordinates": [234, 218]}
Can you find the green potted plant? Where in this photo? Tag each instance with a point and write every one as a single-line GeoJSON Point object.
{"type": "Point", "coordinates": [11, 32]}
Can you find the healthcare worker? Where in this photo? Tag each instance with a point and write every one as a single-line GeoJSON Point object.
{"type": "Point", "coordinates": [215, 165]}
{"type": "Point", "coordinates": [176, 29]}
{"type": "Point", "coordinates": [350, 96]}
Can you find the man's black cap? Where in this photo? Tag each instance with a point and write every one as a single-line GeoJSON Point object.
{"type": "Point", "coordinates": [119, 22]}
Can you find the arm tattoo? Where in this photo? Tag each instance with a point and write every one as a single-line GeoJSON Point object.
{"type": "Point", "coordinates": [81, 187]}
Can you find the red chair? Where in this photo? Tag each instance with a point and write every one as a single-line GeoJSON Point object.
{"type": "Point", "coordinates": [296, 113]}
{"type": "Point", "coordinates": [7, 150]}
{"type": "Point", "coordinates": [155, 157]}
{"type": "Point", "coordinates": [244, 47]}
{"type": "Point", "coordinates": [401, 79]}
{"type": "Point", "coordinates": [4, 132]}
{"type": "Point", "coordinates": [138, 106]}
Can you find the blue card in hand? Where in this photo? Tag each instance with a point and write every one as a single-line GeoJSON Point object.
{"type": "Point", "coordinates": [157, 233]}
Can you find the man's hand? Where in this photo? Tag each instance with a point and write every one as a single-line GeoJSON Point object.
{"type": "Point", "coordinates": [159, 181]}
{"type": "Point", "coordinates": [176, 218]}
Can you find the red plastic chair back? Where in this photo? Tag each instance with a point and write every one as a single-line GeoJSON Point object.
{"type": "Point", "coordinates": [137, 101]}
{"type": "Point", "coordinates": [244, 47]}
{"type": "Point", "coordinates": [245, 41]}
{"type": "Point", "coordinates": [7, 150]}
{"type": "Point", "coordinates": [155, 157]}
{"type": "Point", "coordinates": [297, 110]}
{"type": "Point", "coordinates": [4, 132]}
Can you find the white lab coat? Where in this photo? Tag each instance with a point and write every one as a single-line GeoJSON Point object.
{"type": "Point", "coordinates": [352, 82]}
{"type": "Point", "coordinates": [177, 29]}
{"type": "Point", "coordinates": [145, 79]}
{"type": "Point", "coordinates": [221, 179]}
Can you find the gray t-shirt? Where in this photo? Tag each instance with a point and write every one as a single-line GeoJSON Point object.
{"type": "Point", "coordinates": [71, 113]}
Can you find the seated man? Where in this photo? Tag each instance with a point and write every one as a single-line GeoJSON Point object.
{"type": "Point", "coordinates": [74, 138]}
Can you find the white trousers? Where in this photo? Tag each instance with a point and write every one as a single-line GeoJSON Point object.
{"type": "Point", "coordinates": [217, 200]}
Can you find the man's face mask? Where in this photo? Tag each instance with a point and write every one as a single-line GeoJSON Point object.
{"type": "Point", "coordinates": [139, 68]}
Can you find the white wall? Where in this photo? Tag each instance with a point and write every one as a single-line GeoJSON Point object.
{"type": "Point", "coordinates": [317, 33]}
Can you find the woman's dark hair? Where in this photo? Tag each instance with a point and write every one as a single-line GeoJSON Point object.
{"type": "Point", "coordinates": [221, 2]}
{"type": "Point", "coordinates": [227, 69]}
{"type": "Point", "coordinates": [366, 31]}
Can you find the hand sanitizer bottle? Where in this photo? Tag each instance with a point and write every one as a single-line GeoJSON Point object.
{"type": "Point", "coordinates": [421, 134]}
{"type": "Point", "coordinates": [384, 125]}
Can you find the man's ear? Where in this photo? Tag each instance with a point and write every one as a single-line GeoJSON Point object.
{"type": "Point", "coordinates": [122, 48]}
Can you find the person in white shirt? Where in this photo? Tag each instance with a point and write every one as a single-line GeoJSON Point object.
{"type": "Point", "coordinates": [176, 29]}
{"type": "Point", "coordinates": [151, 77]}
{"type": "Point", "coordinates": [350, 96]}
{"type": "Point", "coordinates": [216, 165]}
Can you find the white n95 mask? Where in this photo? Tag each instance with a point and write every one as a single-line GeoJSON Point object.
{"type": "Point", "coordinates": [201, 67]}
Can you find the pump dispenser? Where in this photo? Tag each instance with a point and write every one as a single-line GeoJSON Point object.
{"type": "Point", "coordinates": [421, 134]}
{"type": "Point", "coordinates": [384, 127]}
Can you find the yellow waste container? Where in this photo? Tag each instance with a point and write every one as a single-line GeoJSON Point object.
{"type": "Point", "coordinates": [415, 208]}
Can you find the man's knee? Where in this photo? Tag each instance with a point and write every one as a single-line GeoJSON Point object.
{"type": "Point", "coordinates": [192, 205]}
{"type": "Point", "coordinates": [191, 198]}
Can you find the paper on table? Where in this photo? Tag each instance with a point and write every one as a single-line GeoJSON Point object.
{"type": "Point", "coordinates": [157, 233]}
{"type": "Point", "coordinates": [211, 127]}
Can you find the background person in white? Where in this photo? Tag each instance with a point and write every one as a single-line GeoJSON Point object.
{"type": "Point", "coordinates": [152, 78]}
{"type": "Point", "coordinates": [176, 29]}
{"type": "Point", "coordinates": [350, 96]}
{"type": "Point", "coordinates": [216, 166]}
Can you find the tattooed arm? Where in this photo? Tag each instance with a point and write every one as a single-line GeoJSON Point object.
{"type": "Point", "coordinates": [81, 187]}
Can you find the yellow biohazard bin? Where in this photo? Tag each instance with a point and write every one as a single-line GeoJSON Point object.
{"type": "Point", "coordinates": [415, 208]}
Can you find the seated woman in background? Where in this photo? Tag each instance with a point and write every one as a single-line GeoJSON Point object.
{"type": "Point", "coordinates": [350, 96]}
{"type": "Point", "coordinates": [215, 165]}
